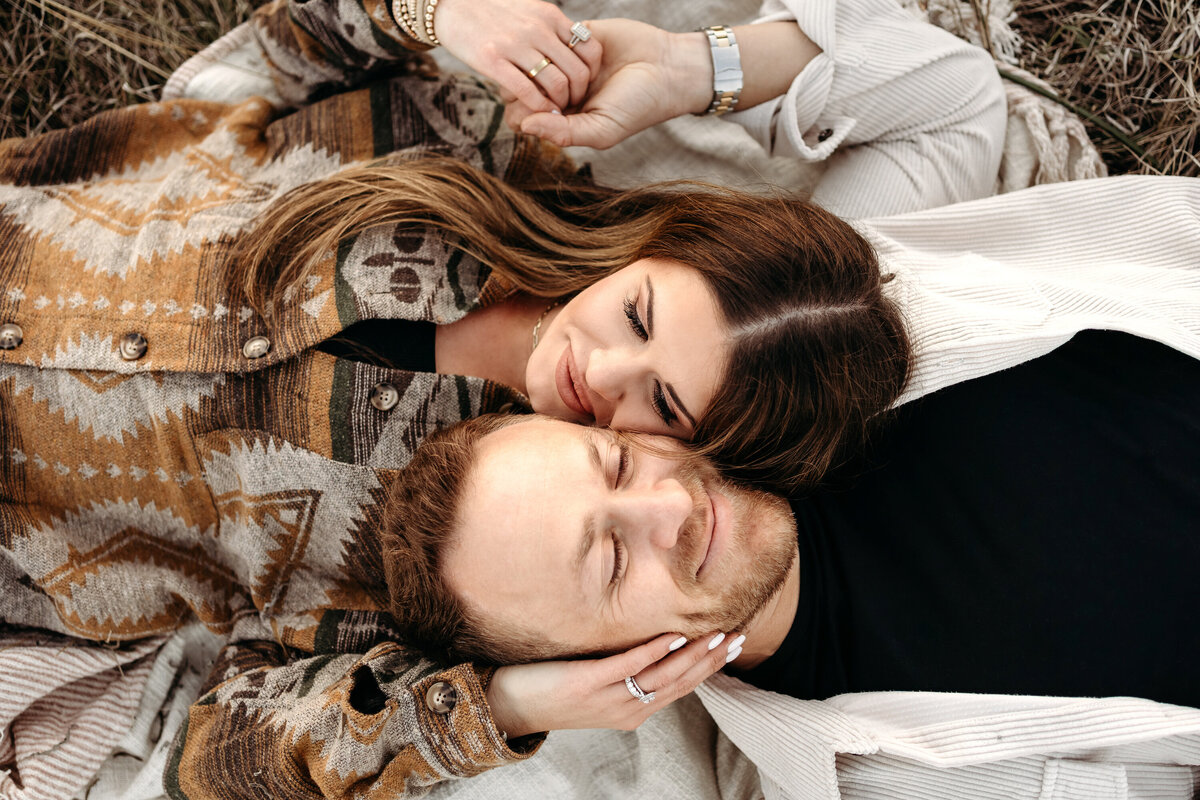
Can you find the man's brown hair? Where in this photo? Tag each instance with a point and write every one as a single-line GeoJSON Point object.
{"type": "Point", "coordinates": [418, 528]}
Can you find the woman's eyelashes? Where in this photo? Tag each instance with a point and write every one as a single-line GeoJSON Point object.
{"type": "Point", "coordinates": [635, 321]}
{"type": "Point", "coordinates": [661, 406]}
{"type": "Point", "coordinates": [659, 397]}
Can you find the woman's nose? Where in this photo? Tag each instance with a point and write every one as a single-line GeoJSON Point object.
{"type": "Point", "coordinates": [656, 511]}
{"type": "Point", "coordinates": [612, 375]}
{"type": "Point", "coordinates": [609, 372]}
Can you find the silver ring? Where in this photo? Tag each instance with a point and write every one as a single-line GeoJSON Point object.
{"type": "Point", "coordinates": [579, 33]}
{"type": "Point", "coordinates": [545, 62]}
{"type": "Point", "coordinates": [636, 691]}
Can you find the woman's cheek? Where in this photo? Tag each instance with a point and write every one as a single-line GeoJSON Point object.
{"type": "Point", "coordinates": [539, 386]}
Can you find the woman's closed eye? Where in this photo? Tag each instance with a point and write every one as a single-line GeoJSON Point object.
{"type": "Point", "coordinates": [658, 397]}
{"type": "Point", "coordinates": [661, 406]}
{"type": "Point", "coordinates": [635, 320]}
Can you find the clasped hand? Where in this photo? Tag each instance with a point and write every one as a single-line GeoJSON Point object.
{"type": "Point", "coordinates": [506, 40]}
{"type": "Point", "coordinates": [625, 78]}
{"type": "Point", "coordinates": [559, 695]}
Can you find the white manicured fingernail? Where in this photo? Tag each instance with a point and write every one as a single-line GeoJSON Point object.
{"type": "Point", "coordinates": [733, 654]}
{"type": "Point", "coordinates": [716, 640]}
{"type": "Point", "coordinates": [736, 644]}
{"type": "Point", "coordinates": [555, 111]}
{"type": "Point", "coordinates": [678, 643]}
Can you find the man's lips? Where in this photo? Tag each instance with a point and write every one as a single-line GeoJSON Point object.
{"type": "Point", "coordinates": [716, 530]}
{"type": "Point", "coordinates": [572, 391]}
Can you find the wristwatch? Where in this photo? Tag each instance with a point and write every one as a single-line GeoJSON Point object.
{"type": "Point", "coordinates": [727, 69]}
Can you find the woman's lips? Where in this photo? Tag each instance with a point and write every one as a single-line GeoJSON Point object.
{"type": "Point", "coordinates": [572, 391]}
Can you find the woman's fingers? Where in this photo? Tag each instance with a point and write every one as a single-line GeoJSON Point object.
{"type": "Point", "coordinates": [576, 72]}
{"type": "Point", "coordinates": [552, 81]}
{"type": "Point", "coordinates": [593, 128]}
{"type": "Point", "coordinates": [681, 672]}
{"type": "Point", "coordinates": [670, 676]}
{"type": "Point", "coordinates": [513, 82]}
{"type": "Point", "coordinates": [506, 40]}
{"type": "Point", "coordinates": [633, 661]}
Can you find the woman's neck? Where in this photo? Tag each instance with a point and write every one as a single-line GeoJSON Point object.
{"type": "Point", "coordinates": [493, 342]}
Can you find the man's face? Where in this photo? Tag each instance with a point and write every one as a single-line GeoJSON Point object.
{"type": "Point", "coordinates": [569, 533]}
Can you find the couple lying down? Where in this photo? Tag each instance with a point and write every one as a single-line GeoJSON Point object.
{"type": "Point", "coordinates": [1028, 532]}
{"type": "Point", "coordinates": [173, 452]}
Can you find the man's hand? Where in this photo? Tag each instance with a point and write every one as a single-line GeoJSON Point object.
{"type": "Point", "coordinates": [558, 695]}
{"type": "Point", "coordinates": [504, 39]}
{"type": "Point", "coordinates": [646, 76]}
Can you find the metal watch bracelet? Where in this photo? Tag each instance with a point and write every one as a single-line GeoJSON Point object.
{"type": "Point", "coordinates": [727, 69]}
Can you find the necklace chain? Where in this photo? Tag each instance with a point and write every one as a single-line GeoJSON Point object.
{"type": "Point", "coordinates": [537, 326]}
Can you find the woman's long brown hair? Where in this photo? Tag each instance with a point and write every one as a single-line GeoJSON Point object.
{"type": "Point", "coordinates": [815, 349]}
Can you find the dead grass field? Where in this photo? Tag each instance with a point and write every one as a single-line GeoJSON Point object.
{"type": "Point", "coordinates": [1130, 68]}
{"type": "Point", "coordinates": [63, 61]}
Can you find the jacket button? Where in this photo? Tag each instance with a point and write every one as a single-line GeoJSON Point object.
{"type": "Point", "coordinates": [384, 396]}
{"type": "Point", "coordinates": [824, 134]}
{"type": "Point", "coordinates": [11, 336]}
{"type": "Point", "coordinates": [256, 347]}
{"type": "Point", "coordinates": [441, 697]}
{"type": "Point", "coordinates": [132, 347]}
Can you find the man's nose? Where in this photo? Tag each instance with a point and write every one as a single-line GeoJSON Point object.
{"type": "Point", "coordinates": [656, 511]}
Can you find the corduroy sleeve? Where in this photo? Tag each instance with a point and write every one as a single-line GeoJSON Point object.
{"type": "Point", "coordinates": [906, 115]}
{"type": "Point", "coordinates": [383, 724]}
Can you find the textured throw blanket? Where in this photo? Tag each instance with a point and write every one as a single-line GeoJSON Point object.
{"type": "Point", "coordinates": [167, 456]}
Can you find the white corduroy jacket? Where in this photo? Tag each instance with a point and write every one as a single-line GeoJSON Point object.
{"type": "Point", "coordinates": [938, 746]}
{"type": "Point", "coordinates": [989, 284]}
{"type": "Point", "coordinates": [985, 286]}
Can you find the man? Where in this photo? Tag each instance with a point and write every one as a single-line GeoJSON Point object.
{"type": "Point", "coordinates": [1031, 533]}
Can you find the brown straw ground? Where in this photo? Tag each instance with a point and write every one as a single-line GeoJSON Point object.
{"type": "Point", "coordinates": [1133, 66]}
{"type": "Point", "coordinates": [1131, 69]}
{"type": "Point", "coordinates": [63, 61]}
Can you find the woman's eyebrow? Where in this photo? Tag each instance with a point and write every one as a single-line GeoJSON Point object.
{"type": "Point", "coordinates": [650, 332]}
{"type": "Point", "coordinates": [649, 308]}
{"type": "Point", "coordinates": [679, 404]}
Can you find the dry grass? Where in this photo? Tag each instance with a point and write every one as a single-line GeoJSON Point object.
{"type": "Point", "coordinates": [62, 61]}
{"type": "Point", "coordinates": [1135, 66]}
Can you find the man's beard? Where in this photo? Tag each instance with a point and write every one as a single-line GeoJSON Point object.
{"type": "Point", "coordinates": [772, 553]}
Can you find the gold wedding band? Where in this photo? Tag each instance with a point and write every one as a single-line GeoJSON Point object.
{"type": "Point", "coordinates": [545, 62]}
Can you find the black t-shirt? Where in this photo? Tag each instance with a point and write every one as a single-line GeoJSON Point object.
{"type": "Point", "coordinates": [391, 343]}
{"type": "Point", "coordinates": [1036, 531]}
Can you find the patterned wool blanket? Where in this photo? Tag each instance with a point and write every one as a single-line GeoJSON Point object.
{"type": "Point", "coordinates": [169, 457]}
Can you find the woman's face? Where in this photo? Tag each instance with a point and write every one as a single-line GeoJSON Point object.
{"type": "Point", "coordinates": [641, 350]}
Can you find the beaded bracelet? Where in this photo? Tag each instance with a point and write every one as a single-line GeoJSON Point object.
{"type": "Point", "coordinates": [408, 18]}
{"type": "Point", "coordinates": [430, 6]}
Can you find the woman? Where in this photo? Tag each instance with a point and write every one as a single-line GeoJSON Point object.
{"type": "Point", "coordinates": [696, 314]}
